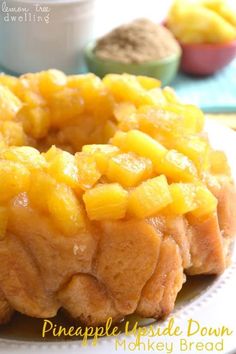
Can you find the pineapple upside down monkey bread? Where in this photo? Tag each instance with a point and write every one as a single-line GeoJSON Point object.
{"type": "Point", "coordinates": [109, 194]}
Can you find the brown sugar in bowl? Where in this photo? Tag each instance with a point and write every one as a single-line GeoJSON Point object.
{"type": "Point", "coordinates": [163, 69]}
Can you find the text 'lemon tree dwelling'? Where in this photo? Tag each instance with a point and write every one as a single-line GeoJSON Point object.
{"type": "Point", "coordinates": [109, 194]}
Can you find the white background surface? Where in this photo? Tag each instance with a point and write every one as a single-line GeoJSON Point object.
{"type": "Point", "coordinates": [112, 13]}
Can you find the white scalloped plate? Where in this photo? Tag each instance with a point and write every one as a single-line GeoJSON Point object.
{"type": "Point", "coordinates": [208, 300]}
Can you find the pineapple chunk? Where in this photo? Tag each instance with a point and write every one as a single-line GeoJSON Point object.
{"type": "Point", "coordinates": [118, 139]}
{"type": "Point", "coordinates": [88, 172]}
{"type": "Point", "coordinates": [194, 147]}
{"type": "Point", "coordinates": [3, 144]}
{"type": "Point", "coordinates": [124, 110]}
{"type": "Point", "coordinates": [9, 104]}
{"type": "Point", "coordinates": [14, 179]}
{"type": "Point", "coordinates": [124, 113]}
{"type": "Point", "coordinates": [3, 221]}
{"type": "Point", "coordinates": [65, 105]}
{"type": "Point", "coordinates": [170, 95]}
{"type": "Point", "coordinates": [160, 124]}
{"type": "Point", "coordinates": [106, 202]}
{"type": "Point", "coordinates": [213, 182]}
{"type": "Point", "coordinates": [29, 81]}
{"type": "Point", "coordinates": [219, 163]}
{"type": "Point", "coordinates": [131, 88]}
{"type": "Point", "coordinates": [97, 98]}
{"type": "Point", "coordinates": [153, 97]}
{"type": "Point", "coordinates": [140, 143]}
{"type": "Point", "coordinates": [36, 121]}
{"type": "Point", "coordinates": [193, 118]}
{"type": "Point", "coordinates": [165, 121]}
{"type": "Point", "coordinates": [64, 169]}
{"type": "Point", "coordinates": [128, 169]}
{"type": "Point", "coordinates": [51, 153]}
{"type": "Point", "coordinates": [13, 133]}
{"type": "Point", "coordinates": [32, 99]}
{"type": "Point", "coordinates": [177, 167]}
{"type": "Point", "coordinates": [51, 81]}
{"type": "Point", "coordinates": [183, 198]}
{"type": "Point", "coordinates": [66, 210]}
{"type": "Point", "coordinates": [9, 81]}
{"type": "Point", "coordinates": [206, 202]}
{"type": "Point", "coordinates": [101, 153]}
{"type": "Point", "coordinates": [124, 87]}
{"type": "Point", "coordinates": [40, 187]}
{"type": "Point", "coordinates": [129, 123]}
{"type": "Point", "coordinates": [106, 149]}
{"type": "Point", "coordinates": [28, 156]}
{"type": "Point", "coordinates": [148, 83]}
{"type": "Point", "coordinates": [149, 197]}
{"type": "Point", "coordinates": [109, 130]}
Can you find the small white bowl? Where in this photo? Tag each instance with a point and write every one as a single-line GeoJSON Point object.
{"type": "Point", "coordinates": [37, 35]}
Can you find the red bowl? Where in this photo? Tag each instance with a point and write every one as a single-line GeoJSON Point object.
{"type": "Point", "coordinates": [206, 59]}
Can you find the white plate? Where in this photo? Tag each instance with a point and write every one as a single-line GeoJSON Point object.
{"type": "Point", "coordinates": [213, 307]}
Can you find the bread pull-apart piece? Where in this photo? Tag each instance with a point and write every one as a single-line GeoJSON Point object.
{"type": "Point", "coordinates": [87, 300]}
{"type": "Point", "coordinates": [226, 209]}
{"type": "Point", "coordinates": [160, 292]}
{"type": "Point", "coordinates": [127, 256]}
{"type": "Point", "coordinates": [6, 311]}
{"type": "Point", "coordinates": [206, 247]}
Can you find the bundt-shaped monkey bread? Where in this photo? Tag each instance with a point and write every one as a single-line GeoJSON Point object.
{"type": "Point", "coordinates": [109, 194]}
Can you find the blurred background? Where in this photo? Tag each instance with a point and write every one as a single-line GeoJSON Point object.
{"type": "Point", "coordinates": [215, 94]}
{"type": "Point", "coordinates": [110, 14]}
{"type": "Point", "coordinates": [37, 35]}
